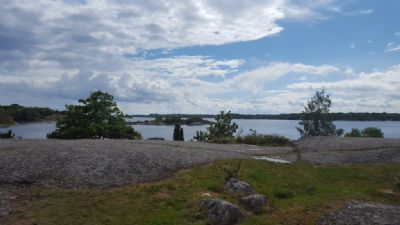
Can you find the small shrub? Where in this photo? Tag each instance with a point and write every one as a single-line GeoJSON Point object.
{"type": "Point", "coordinates": [367, 132]}
{"type": "Point", "coordinates": [231, 172]}
{"type": "Point", "coordinates": [283, 193]}
{"type": "Point", "coordinates": [372, 132]}
{"type": "Point", "coordinates": [353, 133]}
{"type": "Point", "coordinates": [7, 134]}
{"type": "Point", "coordinates": [263, 140]}
{"type": "Point", "coordinates": [201, 136]}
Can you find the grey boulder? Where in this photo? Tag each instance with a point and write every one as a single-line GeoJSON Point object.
{"type": "Point", "coordinates": [254, 202]}
{"type": "Point", "coordinates": [221, 212]}
{"type": "Point", "coordinates": [239, 187]}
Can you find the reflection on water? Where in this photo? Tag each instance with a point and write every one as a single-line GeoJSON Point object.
{"type": "Point", "coordinates": [286, 128]}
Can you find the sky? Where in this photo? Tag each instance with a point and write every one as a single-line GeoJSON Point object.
{"type": "Point", "coordinates": [202, 56]}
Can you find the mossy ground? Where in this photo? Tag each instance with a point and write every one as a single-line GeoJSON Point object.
{"type": "Point", "coordinates": [297, 194]}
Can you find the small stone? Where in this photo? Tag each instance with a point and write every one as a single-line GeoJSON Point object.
{"type": "Point", "coordinates": [239, 187]}
{"type": "Point", "coordinates": [221, 212]}
{"type": "Point", "coordinates": [206, 195]}
{"type": "Point", "coordinates": [254, 202]}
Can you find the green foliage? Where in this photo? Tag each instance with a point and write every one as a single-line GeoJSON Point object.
{"type": "Point", "coordinates": [97, 117]}
{"type": "Point", "coordinates": [263, 140]}
{"type": "Point", "coordinates": [194, 119]}
{"type": "Point", "coordinates": [178, 133]}
{"type": "Point", "coordinates": [201, 136]}
{"type": "Point", "coordinates": [25, 114]}
{"type": "Point", "coordinates": [367, 132]}
{"type": "Point", "coordinates": [220, 130]}
{"type": "Point", "coordinates": [353, 133]}
{"type": "Point", "coordinates": [172, 120]}
{"type": "Point", "coordinates": [223, 126]}
{"type": "Point", "coordinates": [5, 118]}
{"type": "Point", "coordinates": [7, 134]}
{"type": "Point", "coordinates": [315, 117]}
{"type": "Point", "coordinates": [232, 171]}
{"type": "Point", "coordinates": [372, 132]}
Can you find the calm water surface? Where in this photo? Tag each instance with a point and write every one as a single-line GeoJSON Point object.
{"type": "Point", "coordinates": [286, 128]}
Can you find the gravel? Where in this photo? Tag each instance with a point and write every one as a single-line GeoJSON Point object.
{"type": "Point", "coordinates": [339, 150]}
{"type": "Point", "coordinates": [362, 213]}
{"type": "Point", "coordinates": [99, 163]}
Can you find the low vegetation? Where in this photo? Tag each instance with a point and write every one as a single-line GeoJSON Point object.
{"type": "Point", "coordinates": [263, 140]}
{"type": "Point", "coordinates": [367, 132]}
{"type": "Point", "coordinates": [297, 194]}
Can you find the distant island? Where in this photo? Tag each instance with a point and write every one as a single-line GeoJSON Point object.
{"type": "Point", "coordinates": [172, 120]}
{"type": "Point", "coordinates": [351, 116]}
{"type": "Point", "coordinates": [15, 113]}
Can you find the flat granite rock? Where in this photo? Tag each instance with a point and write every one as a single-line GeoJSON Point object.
{"type": "Point", "coordinates": [362, 213]}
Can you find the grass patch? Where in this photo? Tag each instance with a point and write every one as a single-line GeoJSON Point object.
{"type": "Point", "coordinates": [297, 194]}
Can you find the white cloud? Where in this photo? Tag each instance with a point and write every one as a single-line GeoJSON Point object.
{"type": "Point", "coordinates": [256, 79]}
{"type": "Point", "coordinates": [352, 45]}
{"type": "Point", "coordinates": [392, 47]}
{"type": "Point", "coordinates": [376, 91]}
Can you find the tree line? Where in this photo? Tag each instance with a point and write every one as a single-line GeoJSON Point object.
{"type": "Point", "coordinates": [351, 116]}
{"type": "Point", "coordinates": [17, 113]}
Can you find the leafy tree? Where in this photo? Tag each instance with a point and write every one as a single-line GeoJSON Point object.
{"type": "Point", "coordinates": [222, 128]}
{"type": "Point", "coordinates": [5, 118]}
{"type": "Point", "coordinates": [178, 133]}
{"type": "Point", "coordinates": [353, 133]}
{"type": "Point", "coordinates": [315, 117]}
{"type": "Point", "coordinates": [98, 116]}
{"type": "Point", "coordinates": [372, 132]}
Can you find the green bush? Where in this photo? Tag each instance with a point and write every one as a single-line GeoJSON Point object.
{"type": "Point", "coordinates": [263, 140]}
{"type": "Point", "coordinates": [353, 133]}
{"type": "Point", "coordinates": [367, 132]}
{"type": "Point", "coordinates": [7, 134]}
{"type": "Point", "coordinates": [372, 132]}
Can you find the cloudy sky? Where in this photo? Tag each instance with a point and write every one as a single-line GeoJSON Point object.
{"type": "Point", "coordinates": [202, 56]}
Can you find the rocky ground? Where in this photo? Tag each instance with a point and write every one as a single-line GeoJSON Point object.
{"type": "Point", "coordinates": [363, 213]}
{"type": "Point", "coordinates": [109, 163]}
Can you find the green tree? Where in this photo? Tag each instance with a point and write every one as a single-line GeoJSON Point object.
{"type": "Point", "coordinates": [372, 132]}
{"type": "Point", "coordinates": [5, 118]}
{"type": "Point", "coordinates": [222, 128]}
{"type": "Point", "coordinates": [353, 133]}
{"type": "Point", "coordinates": [98, 116]}
{"type": "Point", "coordinates": [315, 117]}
